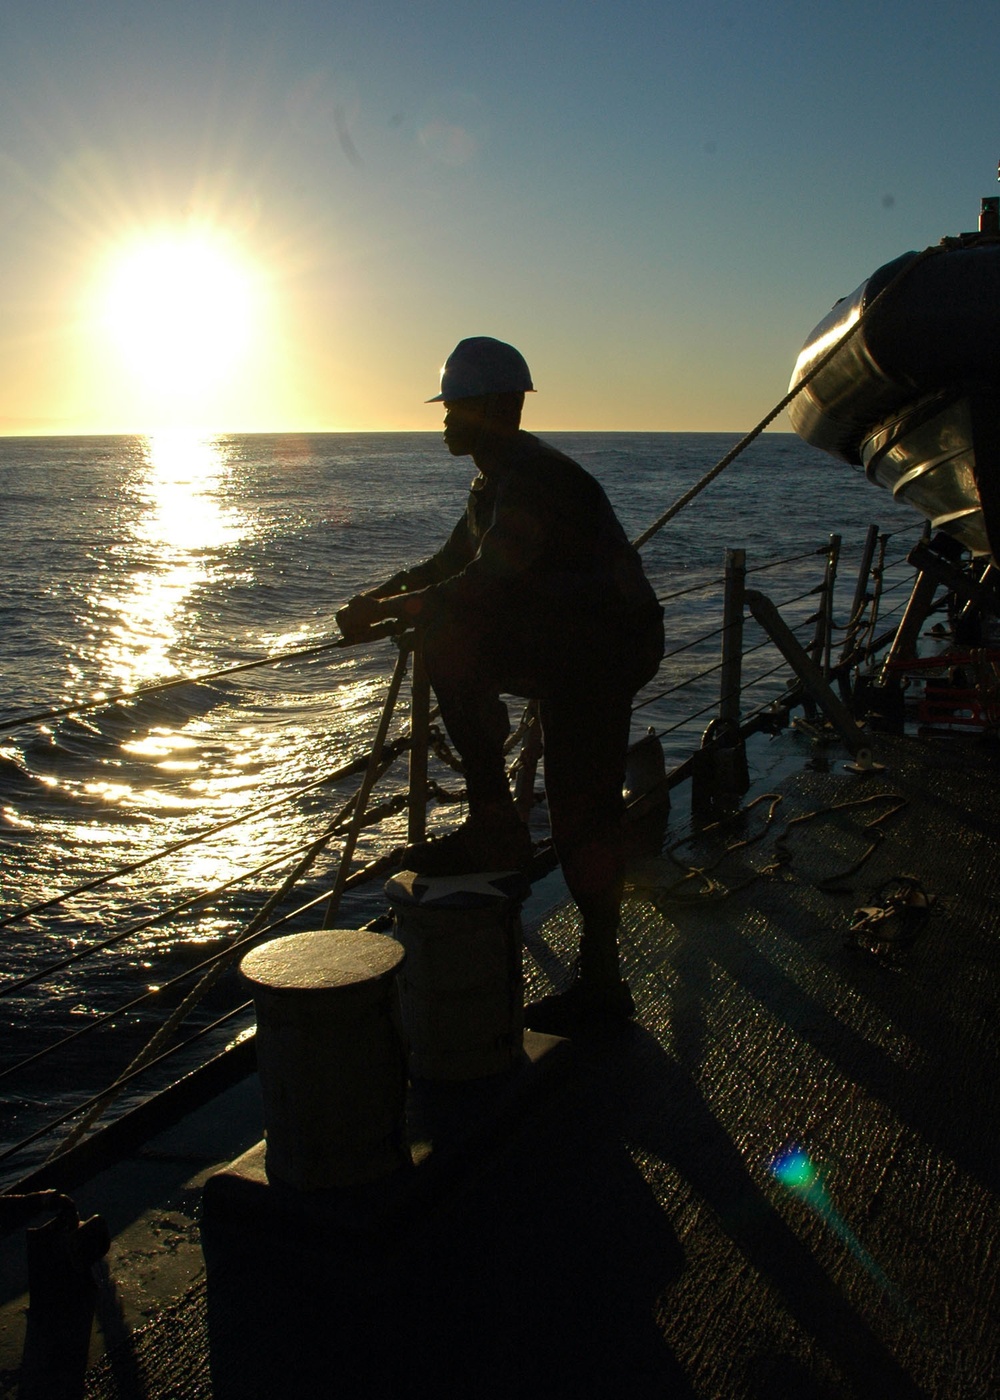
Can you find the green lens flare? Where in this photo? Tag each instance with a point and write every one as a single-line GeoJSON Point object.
{"type": "Point", "coordinates": [794, 1170]}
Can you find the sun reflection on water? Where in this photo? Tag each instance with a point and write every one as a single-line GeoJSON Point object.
{"type": "Point", "coordinates": [193, 761]}
{"type": "Point", "coordinates": [185, 517]}
{"type": "Point", "coordinates": [188, 771]}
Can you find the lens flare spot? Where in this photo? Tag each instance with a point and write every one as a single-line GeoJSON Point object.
{"type": "Point", "coordinates": [794, 1170]}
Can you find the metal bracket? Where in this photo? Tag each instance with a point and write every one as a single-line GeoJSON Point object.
{"type": "Point", "coordinates": [856, 738]}
{"type": "Point", "coordinates": [979, 592]}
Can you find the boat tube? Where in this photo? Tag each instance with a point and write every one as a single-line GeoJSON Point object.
{"type": "Point", "coordinates": [913, 393]}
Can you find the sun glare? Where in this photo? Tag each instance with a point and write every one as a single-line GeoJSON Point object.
{"type": "Point", "coordinates": [181, 310]}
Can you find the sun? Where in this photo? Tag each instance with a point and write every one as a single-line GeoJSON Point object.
{"type": "Point", "coordinates": [181, 308]}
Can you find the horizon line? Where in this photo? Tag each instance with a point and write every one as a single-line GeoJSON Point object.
{"type": "Point", "coordinates": [203, 433]}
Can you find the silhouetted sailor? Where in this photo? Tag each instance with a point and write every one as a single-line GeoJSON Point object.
{"type": "Point", "coordinates": [537, 593]}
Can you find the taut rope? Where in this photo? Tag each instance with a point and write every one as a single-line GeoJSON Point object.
{"type": "Point", "coordinates": [807, 378]}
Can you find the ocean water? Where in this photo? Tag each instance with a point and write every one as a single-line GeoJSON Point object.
{"type": "Point", "coordinates": [129, 561]}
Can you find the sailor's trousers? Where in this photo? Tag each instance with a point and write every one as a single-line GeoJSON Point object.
{"type": "Point", "coordinates": [583, 669]}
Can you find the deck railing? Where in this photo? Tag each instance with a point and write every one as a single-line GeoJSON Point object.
{"type": "Point", "coordinates": [714, 689]}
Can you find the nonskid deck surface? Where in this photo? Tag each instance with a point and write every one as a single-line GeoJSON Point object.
{"type": "Point", "coordinates": [782, 1181]}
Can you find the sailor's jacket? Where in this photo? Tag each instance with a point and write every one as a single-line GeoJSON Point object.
{"type": "Point", "coordinates": [538, 532]}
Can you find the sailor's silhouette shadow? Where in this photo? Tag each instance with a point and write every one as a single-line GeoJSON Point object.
{"type": "Point", "coordinates": [662, 1113]}
{"type": "Point", "coordinates": [535, 1273]}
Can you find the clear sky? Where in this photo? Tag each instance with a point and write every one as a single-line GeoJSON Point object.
{"type": "Point", "coordinates": [244, 215]}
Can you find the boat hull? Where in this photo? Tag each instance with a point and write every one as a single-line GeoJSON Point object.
{"type": "Point", "coordinates": [940, 456]}
{"type": "Point", "coordinates": [912, 394]}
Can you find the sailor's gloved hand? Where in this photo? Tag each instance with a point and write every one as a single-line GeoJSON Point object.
{"type": "Point", "coordinates": [361, 614]}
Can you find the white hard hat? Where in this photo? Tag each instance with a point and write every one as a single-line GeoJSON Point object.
{"type": "Point", "coordinates": [482, 365]}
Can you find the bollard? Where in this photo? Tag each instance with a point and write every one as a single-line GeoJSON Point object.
{"type": "Point", "coordinates": [330, 1057]}
{"type": "Point", "coordinates": [460, 989]}
{"type": "Point", "coordinates": [719, 773]}
{"type": "Point", "coordinates": [62, 1295]}
{"type": "Point", "coordinates": [645, 771]}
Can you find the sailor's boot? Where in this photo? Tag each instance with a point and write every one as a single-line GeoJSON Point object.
{"type": "Point", "coordinates": [492, 838]}
{"type": "Point", "coordinates": [597, 998]}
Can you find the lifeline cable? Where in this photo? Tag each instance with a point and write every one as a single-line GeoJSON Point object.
{"type": "Point", "coordinates": [121, 697]}
{"type": "Point", "coordinates": [807, 378]}
{"type": "Point", "coordinates": [371, 871]}
{"type": "Point", "coordinates": [163, 1033]}
{"type": "Point", "coordinates": [346, 770]}
{"type": "Point", "coordinates": [91, 1102]}
{"type": "Point", "coordinates": [205, 897]}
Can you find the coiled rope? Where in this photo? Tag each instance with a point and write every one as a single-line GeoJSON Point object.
{"type": "Point", "coordinates": [782, 857]}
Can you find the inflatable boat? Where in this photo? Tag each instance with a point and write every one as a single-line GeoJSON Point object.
{"type": "Point", "coordinates": [903, 378]}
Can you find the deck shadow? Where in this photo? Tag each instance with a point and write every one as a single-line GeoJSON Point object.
{"type": "Point", "coordinates": [534, 1273]}
{"type": "Point", "coordinates": [665, 1116]}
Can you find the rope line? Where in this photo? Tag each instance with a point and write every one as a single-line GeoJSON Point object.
{"type": "Point", "coordinates": [375, 814]}
{"type": "Point", "coordinates": [830, 883]}
{"type": "Point", "coordinates": [122, 697]}
{"type": "Point", "coordinates": [204, 897]}
{"type": "Point", "coordinates": [813, 370]}
{"type": "Point", "coordinates": [164, 1032]}
{"type": "Point", "coordinates": [783, 857]}
{"type": "Point", "coordinates": [81, 1108]}
{"type": "Point", "coordinates": [26, 911]}
{"type": "Point", "coordinates": [669, 894]}
{"type": "Point", "coordinates": [219, 962]}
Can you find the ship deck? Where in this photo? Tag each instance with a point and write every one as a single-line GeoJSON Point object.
{"type": "Point", "coordinates": [781, 1181]}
